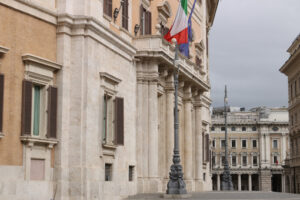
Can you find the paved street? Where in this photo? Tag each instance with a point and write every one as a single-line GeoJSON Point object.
{"type": "Point", "coordinates": [228, 195]}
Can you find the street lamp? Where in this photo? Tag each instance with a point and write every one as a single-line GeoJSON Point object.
{"type": "Point", "coordinates": [226, 180]}
{"type": "Point", "coordinates": [176, 185]}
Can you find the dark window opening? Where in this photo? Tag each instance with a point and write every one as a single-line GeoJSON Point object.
{"type": "Point", "coordinates": [131, 173]}
{"type": "Point", "coordinates": [108, 172]}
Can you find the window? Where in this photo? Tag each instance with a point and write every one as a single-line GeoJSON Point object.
{"type": "Point", "coordinates": [275, 160]}
{"type": "Point", "coordinates": [233, 161]}
{"type": "Point", "coordinates": [233, 128]}
{"type": "Point", "coordinates": [212, 128]}
{"type": "Point", "coordinates": [113, 120]}
{"type": "Point", "coordinates": [254, 160]}
{"type": "Point", "coordinates": [275, 144]}
{"type": "Point", "coordinates": [233, 143]}
{"type": "Point", "coordinates": [37, 169]}
{"type": "Point", "coordinates": [254, 128]}
{"type": "Point", "coordinates": [107, 7]}
{"type": "Point", "coordinates": [108, 172]}
{"type": "Point", "coordinates": [254, 143]}
{"type": "Point", "coordinates": [223, 143]}
{"type": "Point", "coordinates": [131, 172]}
{"type": "Point", "coordinates": [125, 15]}
{"type": "Point", "coordinates": [243, 128]}
{"type": "Point", "coordinates": [244, 160]}
{"type": "Point", "coordinates": [35, 110]}
{"type": "Point", "coordinates": [244, 143]}
{"type": "Point", "coordinates": [213, 160]}
{"type": "Point", "coordinates": [223, 160]}
{"type": "Point", "coordinates": [275, 128]}
{"type": "Point", "coordinates": [214, 143]}
{"type": "Point", "coordinates": [145, 21]}
{"type": "Point", "coordinates": [222, 128]}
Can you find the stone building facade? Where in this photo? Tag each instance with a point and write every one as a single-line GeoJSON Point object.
{"type": "Point", "coordinates": [291, 69]}
{"type": "Point", "coordinates": [92, 92]}
{"type": "Point", "coordinates": [28, 72]}
{"type": "Point", "coordinates": [258, 143]}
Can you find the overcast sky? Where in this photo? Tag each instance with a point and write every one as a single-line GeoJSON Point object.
{"type": "Point", "coordinates": [248, 44]}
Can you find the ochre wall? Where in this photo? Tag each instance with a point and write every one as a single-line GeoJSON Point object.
{"type": "Point", "coordinates": [21, 34]}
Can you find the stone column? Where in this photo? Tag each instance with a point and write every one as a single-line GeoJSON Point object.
{"type": "Point", "coordinates": [169, 122]}
{"type": "Point", "coordinates": [268, 159]}
{"type": "Point", "coordinates": [283, 183]}
{"type": "Point", "coordinates": [239, 183]}
{"type": "Point", "coordinates": [283, 151]}
{"type": "Point", "coordinates": [250, 182]}
{"type": "Point", "coordinates": [218, 182]}
{"type": "Point", "coordinates": [188, 140]}
{"type": "Point", "coordinates": [265, 180]}
{"type": "Point", "coordinates": [153, 130]}
{"type": "Point", "coordinates": [198, 143]}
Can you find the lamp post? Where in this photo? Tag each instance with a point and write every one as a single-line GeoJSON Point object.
{"type": "Point", "coordinates": [176, 185]}
{"type": "Point", "coordinates": [226, 180]}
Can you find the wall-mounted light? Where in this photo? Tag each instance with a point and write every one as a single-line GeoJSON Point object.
{"type": "Point", "coordinates": [117, 10]}
{"type": "Point", "coordinates": [136, 29]}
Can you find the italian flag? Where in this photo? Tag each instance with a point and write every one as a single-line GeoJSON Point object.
{"type": "Point", "coordinates": [179, 29]}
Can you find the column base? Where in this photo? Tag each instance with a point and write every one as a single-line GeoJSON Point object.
{"type": "Point", "coordinates": [190, 185]}
{"type": "Point", "coordinates": [265, 180]}
{"type": "Point", "coordinates": [199, 185]}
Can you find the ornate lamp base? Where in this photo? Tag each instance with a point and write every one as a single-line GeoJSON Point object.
{"type": "Point", "coordinates": [176, 185]}
{"type": "Point", "coordinates": [227, 182]}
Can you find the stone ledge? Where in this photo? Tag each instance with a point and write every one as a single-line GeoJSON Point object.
{"type": "Point", "coordinates": [31, 141]}
{"type": "Point", "coordinates": [176, 196]}
{"type": "Point", "coordinates": [1, 135]}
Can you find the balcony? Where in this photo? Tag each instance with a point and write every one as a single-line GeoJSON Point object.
{"type": "Point", "coordinates": [154, 47]}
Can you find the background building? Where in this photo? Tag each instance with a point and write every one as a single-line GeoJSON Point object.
{"type": "Point", "coordinates": [292, 69]}
{"type": "Point", "coordinates": [258, 143]}
{"type": "Point", "coordinates": [99, 125]}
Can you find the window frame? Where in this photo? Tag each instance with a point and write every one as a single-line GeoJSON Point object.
{"type": "Point", "coordinates": [242, 143]}
{"type": "Point", "coordinates": [234, 143]}
{"type": "Point", "coordinates": [255, 143]}
{"type": "Point", "coordinates": [221, 142]}
{"type": "Point", "coordinates": [273, 146]}
{"type": "Point", "coordinates": [255, 156]}
{"type": "Point", "coordinates": [244, 164]}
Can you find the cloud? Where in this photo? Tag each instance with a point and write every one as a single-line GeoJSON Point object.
{"type": "Point", "coordinates": [248, 44]}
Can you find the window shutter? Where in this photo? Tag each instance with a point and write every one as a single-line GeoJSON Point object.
{"type": "Point", "coordinates": [1, 100]}
{"type": "Point", "coordinates": [149, 23]}
{"type": "Point", "coordinates": [119, 121]}
{"type": "Point", "coordinates": [52, 112]}
{"type": "Point", "coordinates": [125, 15]}
{"type": "Point", "coordinates": [141, 20]}
{"type": "Point", "coordinates": [207, 147]}
{"type": "Point", "coordinates": [110, 8]}
{"type": "Point", "coordinates": [26, 107]}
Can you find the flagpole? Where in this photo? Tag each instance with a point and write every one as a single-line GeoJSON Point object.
{"type": "Point", "coordinates": [176, 184]}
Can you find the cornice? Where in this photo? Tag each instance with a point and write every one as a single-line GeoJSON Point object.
{"type": "Point", "coordinates": [29, 58]}
{"type": "Point", "coordinates": [3, 50]}
{"type": "Point", "coordinates": [75, 25]}
{"type": "Point", "coordinates": [32, 9]}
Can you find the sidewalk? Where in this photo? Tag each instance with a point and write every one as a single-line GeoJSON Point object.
{"type": "Point", "coordinates": [227, 195]}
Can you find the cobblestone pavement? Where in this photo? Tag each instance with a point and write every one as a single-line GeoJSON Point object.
{"type": "Point", "coordinates": [227, 195]}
